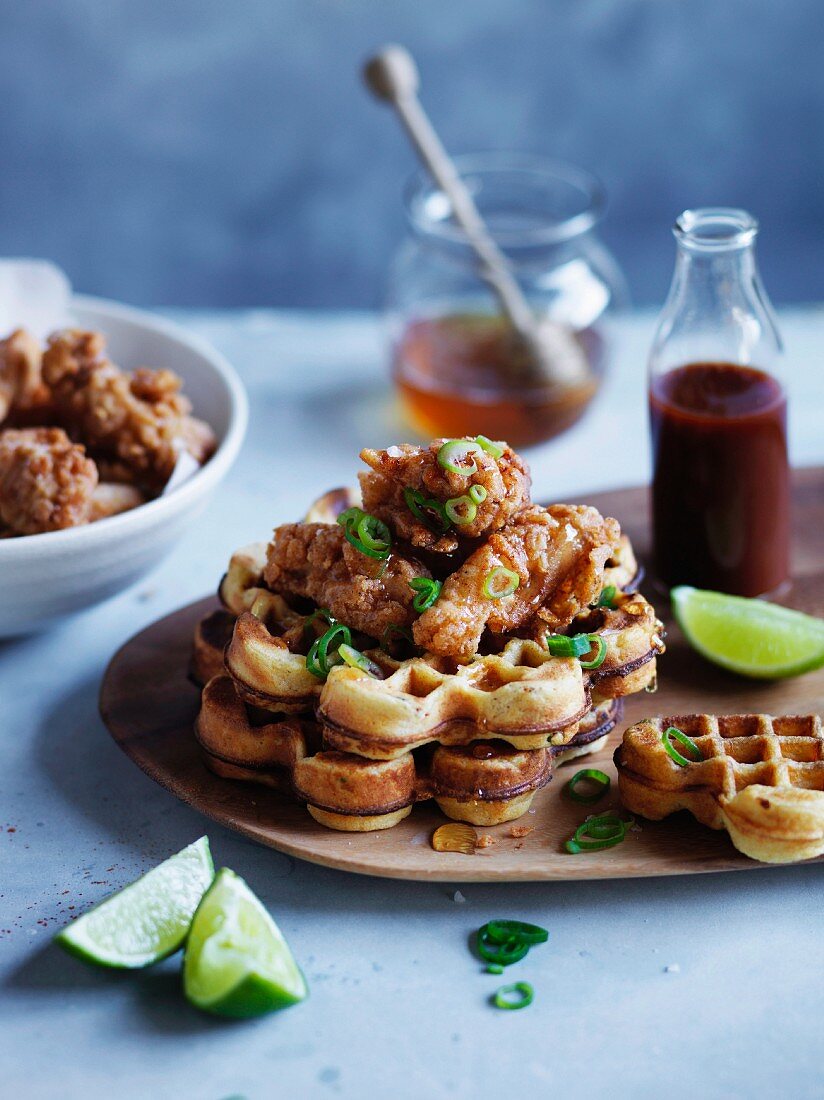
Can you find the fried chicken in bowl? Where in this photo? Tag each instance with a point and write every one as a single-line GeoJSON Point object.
{"type": "Point", "coordinates": [89, 441]}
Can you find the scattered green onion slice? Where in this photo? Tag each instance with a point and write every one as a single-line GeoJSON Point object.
{"type": "Point", "coordinates": [607, 597]}
{"type": "Point", "coordinates": [371, 536]}
{"type": "Point", "coordinates": [603, 831]}
{"type": "Point", "coordinates": [427, 592]}
{"type": "Point", "coordinates": [350, 516]}
{"type": "Point", "coordinates": [321, 613]}
{"type": "Point", "coordinates": [394, 630]}
{"type": "Point", "coordinates": [494, 968]}
{"type": "Point", "coordinates": [601, 654]}
{"type": "Point", "coordinates": [518, 995]}
{"type": "Point", "coordinates": [355, 659]}
{"type": "Point", "coordinates": [687, 742]}
{"type": "Point", "coordinates": [461, 510]}
{"type": "Point", "coordinates": [559, 645]}
{"type": "Point", "coordinates": [478, 493]}
{"type": "Point", "coordinates": [428, 511]}
{"type": "Point", "coordinates": [500, 582]}
{"type": "Point", "coordinates": [456, 456]}
{"type": "Point", "coordinates": [502, 930]}
{"type": "Point", "coordinates": [323, 655]}
{"type": "Point", "coordinates": [490, 447]}
{"type": "Point", "coordinates": [504, 954]}
{"type": "Point", "coordinates": [588, 775]}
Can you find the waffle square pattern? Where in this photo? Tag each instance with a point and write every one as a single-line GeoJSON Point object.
{"type": "Point", "coordinates": [759, 777]}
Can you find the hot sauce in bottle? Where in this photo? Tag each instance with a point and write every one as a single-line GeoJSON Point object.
{"type": "Point", "coordinates": [718, 413]}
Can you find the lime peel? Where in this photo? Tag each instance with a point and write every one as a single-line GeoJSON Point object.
{"type": "Point", "coordinates": [147, 920]}
{"type": "Point", "coordinates": [751, 637]}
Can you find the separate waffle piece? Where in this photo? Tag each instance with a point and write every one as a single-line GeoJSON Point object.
{"type": "Point", "coordinates": [352, 794]}
{"type": "Point", "coordinates": [761, 778]}
{"type": "Point", "coordinates": [521, 695]}
{"type": "Point", "coordinates": [327, 508]}
{"type": "Point", "coordinates": [622, 569]}
{"type": "Point", "coordinates": [265, 670]}
{"type": "Point", "coordinates": [212, 635]}
{"type": "Point", "coordinates": [634, 639]}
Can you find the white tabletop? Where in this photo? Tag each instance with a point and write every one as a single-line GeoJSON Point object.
{"type": "Point", "coordinates": [706, 985]}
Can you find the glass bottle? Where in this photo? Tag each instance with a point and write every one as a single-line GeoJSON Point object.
{"type": "Point", "coordinates": [456, 367]}
{"type": "Point", "coordinates": [718, 414]}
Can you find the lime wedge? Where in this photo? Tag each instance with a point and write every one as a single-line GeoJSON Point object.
{"type": "Point", "coordinates": [237, 963]}
{"type": "Point", "coordinates": [750, 637]}
{"type": "Point", "coordinates": [147, 920]}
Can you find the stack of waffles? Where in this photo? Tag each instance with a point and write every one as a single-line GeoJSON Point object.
{"type": "Point", "coordinates": [362, 742]}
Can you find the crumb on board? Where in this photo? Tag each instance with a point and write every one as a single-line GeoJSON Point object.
{"type": "Point", "coordinates": [519, 831]}
{"type": "Point", "coordinates": [485, 840]}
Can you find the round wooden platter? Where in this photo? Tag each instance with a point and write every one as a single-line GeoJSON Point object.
{"type": "Point", "coordinates": [149, 706]}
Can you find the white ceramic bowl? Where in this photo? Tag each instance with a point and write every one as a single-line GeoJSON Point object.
{"type": "Point", "coordinates": [45, 577]}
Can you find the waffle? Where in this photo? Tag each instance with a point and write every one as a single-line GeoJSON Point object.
{"type": "Point", "coordinates": [761, 778]}
{"type": "Point", "coordinates": [593, 732]}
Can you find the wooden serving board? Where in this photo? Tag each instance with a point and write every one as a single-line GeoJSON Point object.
{"type": "Point", "coordinates": [149, 706]}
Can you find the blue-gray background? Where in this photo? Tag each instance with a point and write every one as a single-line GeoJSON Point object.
{"type": "Point", "coordinates": [224, 153]}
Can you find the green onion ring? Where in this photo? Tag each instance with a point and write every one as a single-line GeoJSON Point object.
{"type": "Point", "coordinates": [427, 590]}
{"type": "Point", "coordinates": [319, 659]}
{"type": "Point", "coordinates": [559, 645]}
{"type": "Point", "coordinates": [490, 447]}
{"type": "Point", "coordinates": [428, 511]}
{"type": "Point", "coordinates": [493, 580]}
{"type": "Point", "coordinates": [600, 656]}
{"type": "Point", "coordinates": [355, 659]}
{"type": "Point", "coordinates": [502, 930]}
{"type": "Point", "coordinates": [603, 831]}
{"type": "Point", "coordinates": [687, 742]}
{"type": "Point", "coordinates": [369, 535]}
{"type": "Point", "coordinates": [607, 597]}
{"type": "Point", "coordinates": [478, 493]}
{"type": "Point", "coordinates": [350, 516]}
{"type": "Point", "coordinates": [591, 775]}
{"type": "Point", "coordinates": [453, 456]}
{"type": "Point", "coordinates": [461, 510]}
{"type": "Point", "coordinates": [494, 968]}
{"type": "Point", "coordinates": [504, 954]}
{"type": "Point", "coordinates": [523, 991]}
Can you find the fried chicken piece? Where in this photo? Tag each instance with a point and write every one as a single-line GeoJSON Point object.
{"type": "Point", "coordinates": [505, 479]}
{"type": "Point", "coordinates": [315, 560]}
{"type": "Point", "coordinates": [558, 554]}
{"type": "Point", "coordinates": [46, 481]}
{"type": "Point", "coordinates": [23, 396]}
{"type": "Point", "coordinates": [137, 421]}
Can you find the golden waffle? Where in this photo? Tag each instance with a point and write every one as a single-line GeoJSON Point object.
{"type": "Point", "coordinates": [485, 783]}
{"type": "Point", "coordinates": [593, 732]}
{"type": "Point", "coordinates": [634, 638]}
{"type": "Point", "coordinates": [327, 508]}
{"type": "Point", "coordinates": [622, 570]}
{"type": "Point", "coordinates": [761, 778]}
{"type": "Point", "coordinates": [244, 578]}
{"type": "Point", "coordinates": [212, 635]}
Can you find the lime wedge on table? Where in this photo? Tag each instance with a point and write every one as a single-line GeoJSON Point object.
{"type": "Point", "coordinates": [237, 963]}
{"type": "Point", "coordinates": [148, 920]}
{"type": "Point", "coordinates": [750, 637]}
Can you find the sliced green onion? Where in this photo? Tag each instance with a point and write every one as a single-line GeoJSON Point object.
{"type": "Point", "coordinates": [478, 493]}
{"type": "Point", "coordinates": [588, 775]}
{"type": "Point", "coordinates": [601, 654]}
{"type": "Point", "coordinates": [503, 954]}
{"type": "Point", "coordinates": [687, 742]}
{"type": "Point", "coordinates": [518, 995]}
{"type": "Point", "coordinates": [494, 968]}
{"type": "Point", "coordinates": [355, 659]}
{"type": "Point", "coordinates": [607, 597]}
{"type": "Point", "coordinates": [322, 656]}
{"type": "Point", "coordinates": [428, 511]}
{"type": "Point", "coordinates": [500, 582]}
{"type": "Point", "coordinates": [502, 930]}
{"type": "Point", "coordinates": [350, 516]}
{"type": "Point", "coordinates": [490, 447]}
{"type": "Point", "coordinates": [461, 510]}
{"type": "Point", "coordinates": [456, 456]}
{"type": "Point", "coordinates": [321, 613]}
{"type": "Point", "coordinates": [559, 645]}
{"type": "Point", "coordinates": [368, 534]}
{"type": "Point", "coordinates": [392, 630]}
{"type": "Point", "coordinates": [604, 831]}
{"type": "Point", "coordinates": [427, 592]}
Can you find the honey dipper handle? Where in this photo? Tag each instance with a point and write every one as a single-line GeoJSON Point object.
{"type": "Point", "coordinates": [391, 75]}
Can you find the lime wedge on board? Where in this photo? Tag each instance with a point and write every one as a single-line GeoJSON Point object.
{"type": "Point", "coordinates": [147, 920]}
{"type": "Point", "coordinates": [237, 962]}
{"type": "Point", "coordinates": [751, 637]}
